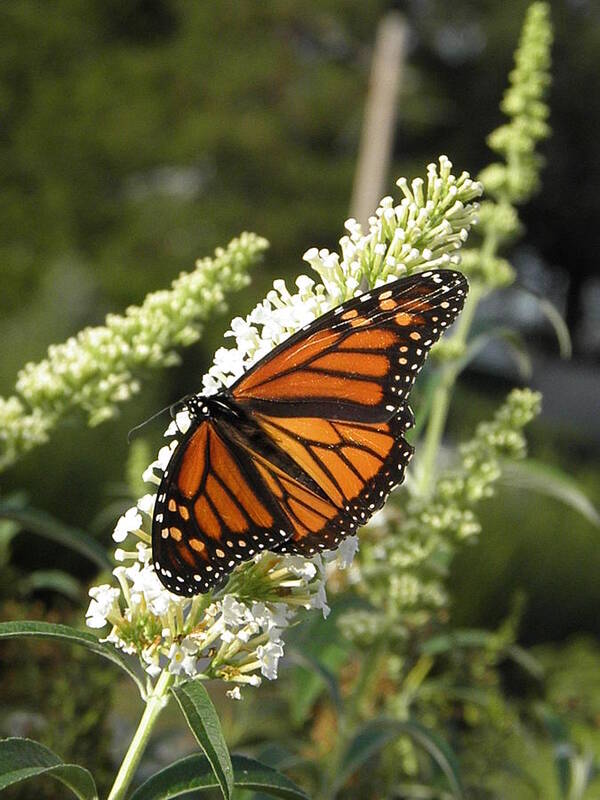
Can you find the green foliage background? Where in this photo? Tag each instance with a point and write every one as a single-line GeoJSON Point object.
{"type": "Point", "coordinates": [138, 135]}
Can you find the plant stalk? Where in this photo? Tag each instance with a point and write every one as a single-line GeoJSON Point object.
{"type": "Point", "coordinates": [349, 720]}
{"type": "Point", "coordinates": [441, 398]}
{"type": "Point", "coordinates": [154, 705]}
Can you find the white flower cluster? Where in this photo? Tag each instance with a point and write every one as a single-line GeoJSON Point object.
{"type": "Point", "coordinates": [96, 370]}
{"type": "Point", "coordinates": [236, 636]}
{"type": "Point", "coordinates": [230, 637]}
{"type": "Point", "coordinates": [423, 231]}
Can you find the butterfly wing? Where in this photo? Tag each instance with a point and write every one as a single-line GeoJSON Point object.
{"type": "Point", "coordinates": [354, 466]}
{"type": "Point", "coordinates": [359, 361]}
{"type": "Point", "coordinates": [323, 440]}
{"type": "Point", "coordinates": [333, 398]}
{"type": "Point", "coordinates": [212, 512]}
{"type": "Point", "coordinates": [220, 503]}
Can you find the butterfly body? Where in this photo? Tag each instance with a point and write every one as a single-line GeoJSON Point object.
{"type": "Point", "coordinates": [305, 446]}
{"type": "Point", "coordinates": [234, 424]}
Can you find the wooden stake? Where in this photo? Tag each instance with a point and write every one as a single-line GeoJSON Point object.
{"type": "Point", "coordinates": [377, 138]}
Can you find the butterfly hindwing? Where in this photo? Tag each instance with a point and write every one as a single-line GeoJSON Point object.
{"type": "Point", "coordinates": [355, 466]}
{"type": "Point", "coordinates": [212, 512]}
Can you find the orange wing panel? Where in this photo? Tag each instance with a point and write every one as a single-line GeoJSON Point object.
{"type": "Point", "coordinates": [313, 429]}
{"type": "Point", "coordinates": [314, 522]}
{"type": "Point", "coordinates": [206, 519]}
{"type": "Point", "coordinates": [353, 363]}
{"type": "Point", "coordinates": [373, 339]}
{"type": "Point", "coordinates": [348, 481]}
{"type": "Point", "coordinates": [302, 456]}
{"type": "Point", "coordinates": [290, 358]}
{"type": "Point", "coordinates": [228, 511]}
{"type": "Point", "coordinates": [228, 471]}
{"type": "Point", "coordinates": [322, 507]}
{"type": "Point", "coordinates": [380, 441]}
{"type": "Point", "coordinates": [193, 465]}
{"type": "Point", "coordinates": [269, 480]}
{"type": "Point", "coordinates": [367, 464]}
{"type": "Point", "coordinates": [305, 384]}
{"type": "Point", "coordinates": [184, 552]}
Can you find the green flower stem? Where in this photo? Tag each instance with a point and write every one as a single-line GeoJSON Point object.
{"type": "Point", "coordinates": [350, 718]}
{"type": "Point", "coordinates": [442, 395]}
{"type": "Point", "coordinates": [508, 184]}
{"type": "Point", "coordinates": [154, 705]}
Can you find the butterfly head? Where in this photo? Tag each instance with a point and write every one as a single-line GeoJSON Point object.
{"type": "Point", "coordinates": [200, 407]}
{"type": "Point", "coordinates": [194, 404]}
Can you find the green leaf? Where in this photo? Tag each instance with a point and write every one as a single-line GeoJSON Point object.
{"type": "Point", "coordinates": [21, 759]}
{"type": "Point", "coordinates": [314, 674]}
{"type": "Point", "coordinates": [513, 339]}
{"type": "Point", "coordinates": [50, 528]}
{"type": "Point", "coordinates": [283, 755]}
{"type": "Point", "coordinates": [47, 630]}
{"type": "Point", "coordinates": [202, 718]}
{"type": "Point", "coordinates": [376, 734]}
{"type": "Point", "coordinates": [526, 661]}
{"type": "Point", "coordinates": [531, 475]}
{"type": "Point", "coordinates": [554, 317]}
{"type": "Point", "coordinates": [196, 773]}
{"type": "Point", "coordinates": [53, 580]}
{"type": "Point", "coordinates": [477, 638]}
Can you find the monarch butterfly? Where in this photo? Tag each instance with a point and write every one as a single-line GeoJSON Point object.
{"type": "Point", "coordinates": [306, 445]}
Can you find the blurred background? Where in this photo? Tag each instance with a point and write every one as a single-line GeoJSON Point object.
{"type": "Point", "coordinates": [138, 135]}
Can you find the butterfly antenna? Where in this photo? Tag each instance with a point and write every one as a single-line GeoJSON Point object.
{"type": "Point", "coordinates": [146, 421]}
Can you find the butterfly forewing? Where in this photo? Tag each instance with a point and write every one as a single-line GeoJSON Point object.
{"type": "Point", "coordinates": [319, 438]}
{"type": "Point", "coordinates": [357, 362]}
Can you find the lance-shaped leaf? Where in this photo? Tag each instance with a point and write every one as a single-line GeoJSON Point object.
{"type": "Point", "coordinates": [202, 718]}
{"type": "Point", "coordinates": [555, 318]}
{"type": "Point", "coordinates": [43, 524]}
{"type": "Point", "coordinates": [52, 580]}
{"type": "Point", "coordinates": [64, 633]}
{"type": "Point", "coordinates": [514, 342]}
{"type": "Point", "coordinates": [373, 736]}
{"type": "Point", "coordinates": [196, 773]}
{"type": "Point", "coordinates": [531, 475]}
{"type": "Point", "coordinates": [21, 759]}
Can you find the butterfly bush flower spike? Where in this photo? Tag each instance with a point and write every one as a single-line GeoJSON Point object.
{"type": "Point", "coordinates": [235, 633]}
{"type": "Point", "coordinates": [401, 563]}
{"type": "Point", "coordinates": [423, 231]}
{"type": "Point", "coordinates": [234, 638]}
{"type": "Point", "coordinates": [514, 180]}
{"type": "Point", "coordinates": [97, 370]}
